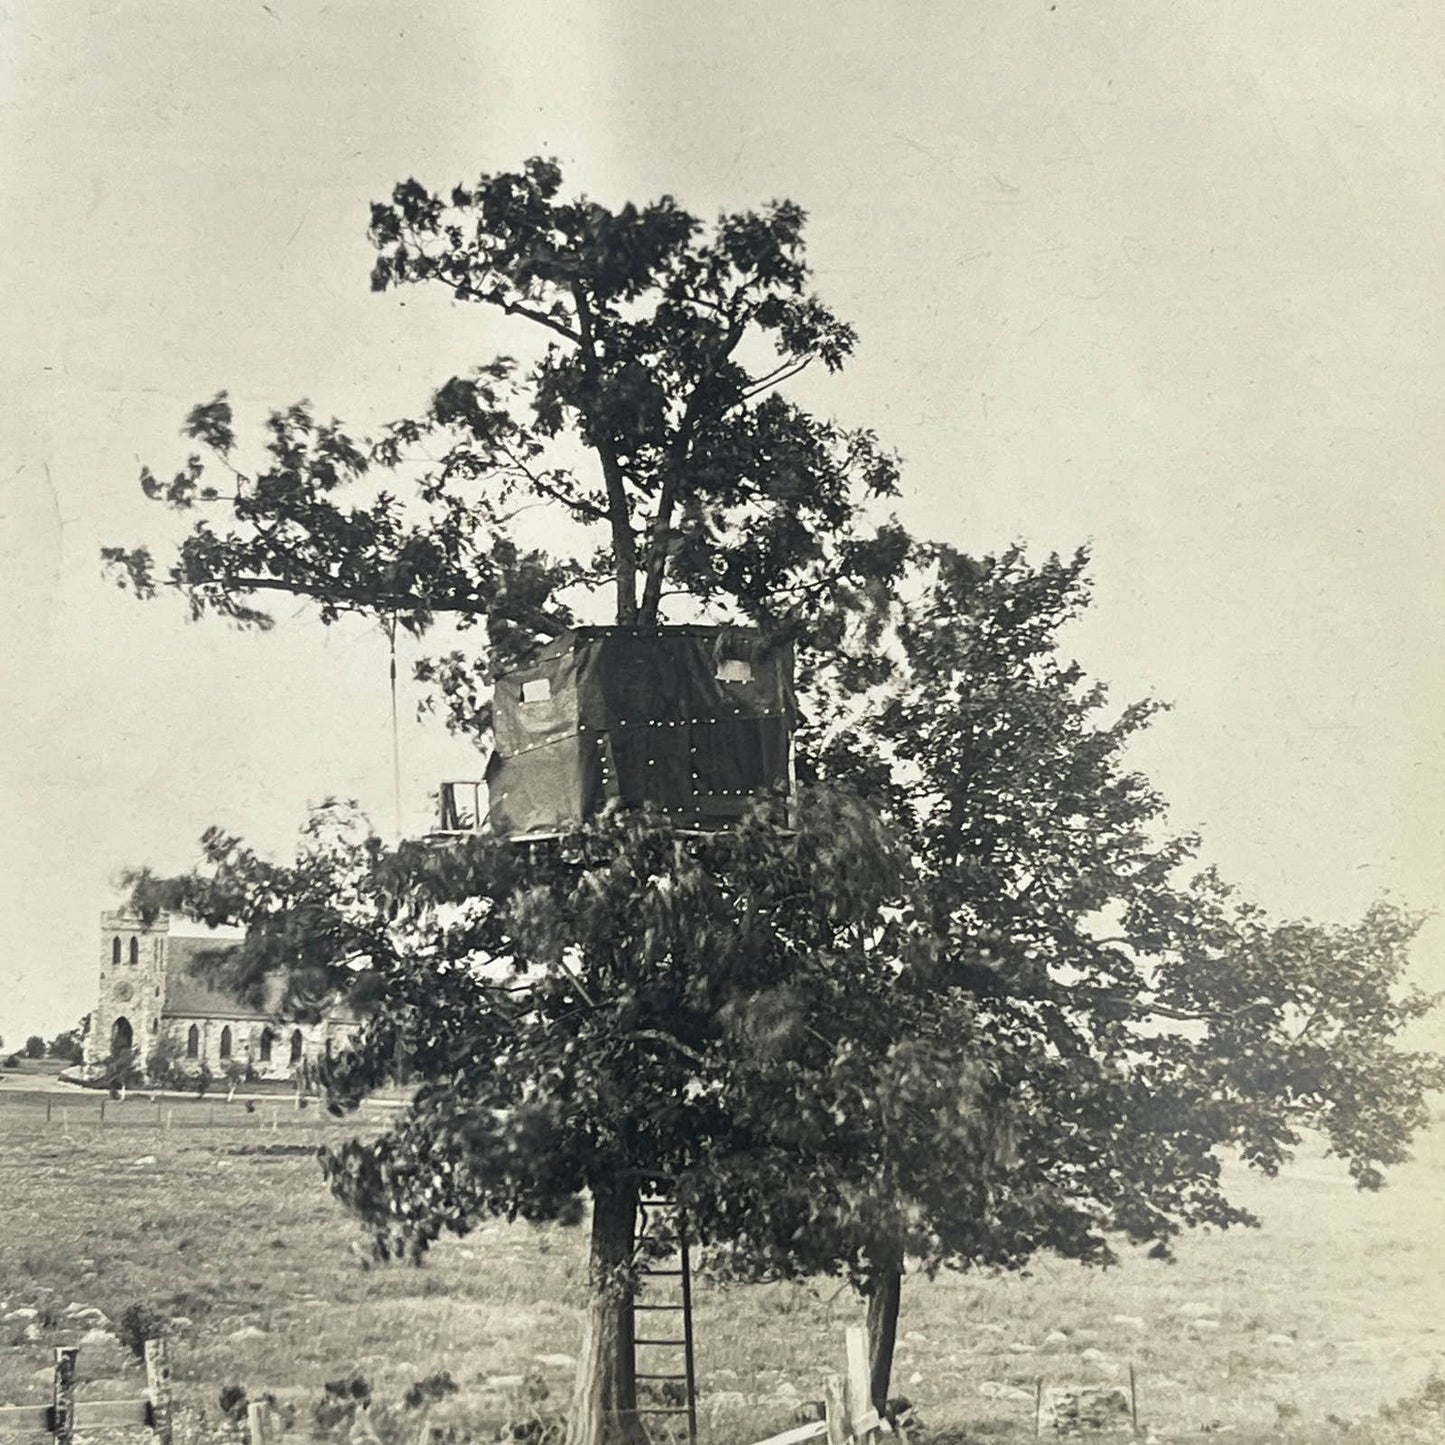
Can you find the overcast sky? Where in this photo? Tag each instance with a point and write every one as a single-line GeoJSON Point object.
{"type": "Point", "coordinates": [1168, 281]}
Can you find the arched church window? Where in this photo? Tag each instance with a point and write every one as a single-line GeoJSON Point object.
{"type": "Point", "coordinates": [115, 953]}
{"type": "Point", "coordinates": [226, 1042]}
{"type": "Point", "coordinates": [135, 950]}
{"type": "Point", "coordinates": [193, 1043]}
{"type": "Point", "coordinates": [266, 1037]}
{"type": "Point", "coordinates": [298, 1046]}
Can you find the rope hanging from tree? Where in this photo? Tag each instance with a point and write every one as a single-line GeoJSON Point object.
{"type": "Point", "coordinates": [390, 628]}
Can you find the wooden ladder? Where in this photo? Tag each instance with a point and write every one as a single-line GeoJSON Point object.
{"type": "Point", "coordinates": [664, 1323]}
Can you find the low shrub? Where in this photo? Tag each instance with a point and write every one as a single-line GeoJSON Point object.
{"type": "Point", "coordinates": [137, 1323]}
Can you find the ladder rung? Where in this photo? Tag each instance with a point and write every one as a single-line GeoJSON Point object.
{"type": "Point", "coordinates": [638, 1375]}
{"type": "Point", "coordinates": [661, 1410]}
{"type": "Point", "coordinates": [676, 1343]}
{"type": "Point", "coordinates": [658, 1273]}
{"type": "Point", "coordinates": [657, 1307]}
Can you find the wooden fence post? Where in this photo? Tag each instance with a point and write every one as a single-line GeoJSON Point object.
{"type": "Point", "coordinates": [158, 1387]}
{"type": "Point", "coordinates": [102, 1111]}
{"type": "Point", "coordinates": [835, 1406]}
{"type": "Point", "coordinates": [63, 1404]}
{"type": "Point", "coordinates": [258, 1422]}
{"type": "Point", "coordinates": [47, 1111]}
{"type": "Point", "coordinates": [860, 1392]}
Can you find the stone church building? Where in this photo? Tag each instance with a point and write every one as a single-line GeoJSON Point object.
{"type": "Point", "coordinates": [149, 992]}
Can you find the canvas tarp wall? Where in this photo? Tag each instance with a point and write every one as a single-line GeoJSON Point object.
{"type": "Point", "coordinates": [693, 721]}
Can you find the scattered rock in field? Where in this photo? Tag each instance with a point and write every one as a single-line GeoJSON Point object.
{"type": "Point", "coordinates": [1195, 1310]}
{"type": "Point", "coordinates": [87, 1264]}
{"type": "Point", "coordinates": [46, 1372]}
{"type": "Point", "coordinates": [1285, 1342]}
{"type": "Point", "coordinates": [1019, 1347]}
{"type": "Point", "coordinates": [726, 1402]}
{"type": "Point", "coordinates": [145, 1160]}
{"type": "Point", "coordinates": [787, 1390]}
{"type": "Point", "coordinates": [1056, 1337]}
{"type": "Point", "coordinates": [23, 1313]}
{"type": "Point", "coordinates": [97, 1337]}
{"type": "Point", "coordinates": [1070, 1409]}
{"type": "Point", "coordinates": [1129, 1322]}
{"type": "Point", "coordinates": [990, 1329]}
{"type": "Point", "coordinates": [810, 1412]}
{"type": "Point", "coordinates": [180, 1322]}
{"type": "Point", "coordinates": [505, 1382]}
{"type": "Point", "coordinates": [1203, 1324]}
{"type": "Point", "coordinates": [248, 1332]}
{"type": "Point", "coordinates": [723, 1374]}
{"type": "Point", "coordinates": [914, 1337]}
{"type": "Point", "coordinates": [997, 1390]}
{"type": "Point", "coordinates": [915, 1378]}
{"type": "Point", "coordinates": [1092, 1357]}
{"type": "Point", "coordinates": [34, 1332]}
{"type": "Point", "coordinates": [557, 1362]}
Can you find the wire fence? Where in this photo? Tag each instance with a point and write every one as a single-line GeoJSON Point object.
{"type": "Point", "coordinates": [66, 1114]}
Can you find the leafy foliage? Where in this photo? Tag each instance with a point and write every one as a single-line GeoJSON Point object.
{"type": "Point", "coordinates": [165, 1063]}
{"type": "Point", "coordinates": [708, 483]}
{"type": "Point", "coordinates": [137, 1323]}
{"type": "Point", "coordinates": [66, 1045]}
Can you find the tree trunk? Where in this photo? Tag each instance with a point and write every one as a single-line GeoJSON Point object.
{"type": "Point", "coordinates": [604, 1402]}
{"type": "Point", "coordinates": [883, 1331]}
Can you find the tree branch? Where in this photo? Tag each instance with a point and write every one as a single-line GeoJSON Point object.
{"type": "Point", "coordinates": [356, 601]}
{"type": "Point", "coordinates": [624, 547]}
{"type": "Point", "coordinates": [679, 453]}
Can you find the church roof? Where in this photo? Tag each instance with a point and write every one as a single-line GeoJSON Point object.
{"type": "Point", "coordinates": [191, 994]}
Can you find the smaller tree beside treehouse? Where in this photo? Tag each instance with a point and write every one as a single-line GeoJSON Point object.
{"type": "Point", "coordinates": [1131, 1015]}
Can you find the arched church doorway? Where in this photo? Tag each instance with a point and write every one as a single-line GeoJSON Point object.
{"type": "Point", "coordinates": [122, 1036]}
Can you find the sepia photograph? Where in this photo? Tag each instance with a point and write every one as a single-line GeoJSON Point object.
{"type": "Point", "coordinates": [721, 725]}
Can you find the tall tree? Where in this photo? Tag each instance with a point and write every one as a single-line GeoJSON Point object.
{"type": "Point", "coordinates": [963, 1010]}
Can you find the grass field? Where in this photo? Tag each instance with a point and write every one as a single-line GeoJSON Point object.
{"type": "Point", "coordinates": [1334, 1309]}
